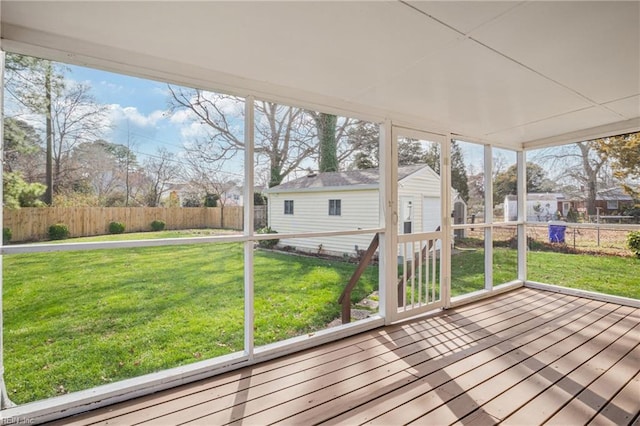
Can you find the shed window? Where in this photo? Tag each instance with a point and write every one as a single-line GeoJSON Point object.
{"type": "Point", "coordinates": [335, 207]}
{"type": "Point", "coordinates": [612, 205]}
{"type": "Point", "coordinates": [288, 206]}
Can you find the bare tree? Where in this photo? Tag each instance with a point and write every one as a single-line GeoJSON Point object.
{"type": "Point", "coordinates": [284, 134]}
{"type": "Point", "coordinates": [161, 170]}
{"type": "Point", "coordinates": [76, 118]}
{"type": "Point", "coordinates": [579, 162]}
{"type": "Point", "coordinates": [95, 166]}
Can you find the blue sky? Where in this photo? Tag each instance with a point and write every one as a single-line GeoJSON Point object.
{"type": "Point", "coordinates": [139, 109]}
{"type": "Point", "coordinates": [141, 116]}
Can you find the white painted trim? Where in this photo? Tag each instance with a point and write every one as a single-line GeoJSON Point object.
{"type": "Point", "coordinates": [4, 396]}
{"type": "Point", "coordinates": [419, 311]}
{"type": "Point", "coordinates": [249, 317]}
{"type": "Point", "coordinates": [389, 165]}
{"type": "Point", "coordinates": [482, 141]}
{"type": "Point", "coordinates": [488, 217]}
{"type": "Point", "coordinates": [522, 215]}
{"type": "Point", "coordinates": [626, 301]}
{"type": "Point", "coordinates": [612, 129]}
{"type": "Point", "coordinates": [78, 52]}
{"type": "Point", "coordinates": [416, 133]}
{"type": "Point", "coordinates": [484, 294]}
{"type": "Point", "coordinates": [420, 236]}
{"type": "Point", "coordinates": [299, 343]}
{"type": "Point", "coordinates": [446, 228]}
{"type": "Point", "coordinates": [46, 248]}
{"type": "Point", "coordinates": [77, 402]}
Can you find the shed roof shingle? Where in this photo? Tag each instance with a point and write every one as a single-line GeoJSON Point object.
{"type": "Point", "coordinates": [349, 178]}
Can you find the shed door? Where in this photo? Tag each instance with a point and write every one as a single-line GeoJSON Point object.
{"type": "Point", "coordinates": [430, 214]}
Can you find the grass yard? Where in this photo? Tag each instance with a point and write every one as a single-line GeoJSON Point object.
{"type": "Point", "coordinates": [603, 274]}
{"type": "Point", "coordinates": [74, 320]}
{"type": "Point", "coordinates": [467, 269]}
{"type": "Point", "coordinates": [619, 276]}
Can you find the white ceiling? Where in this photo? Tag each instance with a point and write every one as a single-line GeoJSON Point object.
{"type": "Point", "coordinates": [513, 73]}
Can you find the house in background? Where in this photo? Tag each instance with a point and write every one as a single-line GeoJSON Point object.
{"type": "Point", "coordinates": [335, 201]}
{"type": "Point", "coordinates": [541, 207]}
{"type": "Point", "coordinates": [613, 201]}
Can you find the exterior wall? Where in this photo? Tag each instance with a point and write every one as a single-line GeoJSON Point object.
{"type": "Point", "coordinates": [359, 209]}
{"type": "Point", "coordinates": [548, 208]}
{"type": "Point", "coordinates": [424, 183]}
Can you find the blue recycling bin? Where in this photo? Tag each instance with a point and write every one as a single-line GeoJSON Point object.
{"type": "Point", "coordinates": [556, 231]}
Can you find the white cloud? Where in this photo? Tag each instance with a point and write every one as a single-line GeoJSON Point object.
{"type": "Point", "coordinates": [180, 116]}
{"type": "Point", "coordinates": [133, 116]}
{"type": "Point", "coordinates": [195, 130]}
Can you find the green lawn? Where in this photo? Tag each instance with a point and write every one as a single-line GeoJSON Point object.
{"type": "Point", "coordinates": [74, 320]}
{"type": "Point", "coordinates": [602, 274]}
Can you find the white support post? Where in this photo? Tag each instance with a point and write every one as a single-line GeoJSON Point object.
{"type": "Point", "coordinates": [488, 217]}
{"type": "Point", "coordinates": [522, 216]}
{"type": "Point", "coordinates": [5, 402]}
{"type": "Point", "coordinates": [249, 127]}
{"type": "Point", "coordinates": [388, 256]}
{"type": "Point", "coordinates": [447, 232]}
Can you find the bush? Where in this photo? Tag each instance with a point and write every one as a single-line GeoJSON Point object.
{"type": "Point", "coordinates": [267, 243]}
{"type": "Point", "coordinates": [116, 228]}
{"type": "Point", "coordinates": [6, 235]}
{"type": "Point", "coordinates": [59, 231]}
{"type": "Point", "coordinates": [633, 241]}
{"type": "Point", "coordinates": [158, 225]}
{"type": "Point", "coordinates": [211, 200]}
{"type": "Point", "coordinates": [259, 199]}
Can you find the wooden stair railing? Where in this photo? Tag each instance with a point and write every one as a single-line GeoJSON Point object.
{"type": "Point", "coordinates": [345, 297]}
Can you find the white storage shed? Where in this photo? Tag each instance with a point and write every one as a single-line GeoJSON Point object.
{"type": "Point", "coordinates": [336, 201]}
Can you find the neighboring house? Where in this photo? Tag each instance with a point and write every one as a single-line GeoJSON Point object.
{"type": "Point", "coordinates": [613, 201]}
{"type": "Point", "coordinates": [337, 201]}
{"type": "Point", "coordinates": [547, 206]}
{"type": "Point", "coordinates": [540, 207]}
{"type": "Point", "coordinates": [233, 195]}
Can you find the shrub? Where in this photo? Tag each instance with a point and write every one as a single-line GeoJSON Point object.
{"type": "Point", "coordinates": [6, 235]}
{"type": "Point", "coordinates": [211, 200]}
{"type": "Point", "coordinates": [633, 241]}
{"type": "Point", "coordinates": [59, 231]}
{"type": "Point", "coordinates": [116, 228]}
{"type": "Point", "coordinates": [158, 225]}
{"type": "Point", "coordinates": [259, 199]}
{"type": "Point", "coordinates": [267, 243]}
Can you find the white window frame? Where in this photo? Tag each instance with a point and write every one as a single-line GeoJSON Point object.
{"type": "Point", "coordinates": [289, 211]}
{"type": "Point", "coordinates": [335, 207]}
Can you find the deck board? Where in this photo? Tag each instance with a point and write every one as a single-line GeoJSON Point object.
{"type": "Point", "coordinates": [524, 357]}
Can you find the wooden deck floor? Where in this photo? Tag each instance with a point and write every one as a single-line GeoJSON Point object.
{"type": "Point", "coordinates": [525, 357]}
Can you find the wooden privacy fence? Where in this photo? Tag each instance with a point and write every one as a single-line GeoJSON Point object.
{"type": "Point", "coordinates": [32, 224]}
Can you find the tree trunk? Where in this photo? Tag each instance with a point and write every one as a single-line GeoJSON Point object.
{"type": "Point", "coordinates": [48, 195]}
{"type": "Point", "coordinates": [326, 125]}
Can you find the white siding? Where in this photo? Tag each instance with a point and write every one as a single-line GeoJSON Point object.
{"type": "Point", "coordinates": [423, 183]}
{"type": "Point", "coordinates": [359, 209]}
